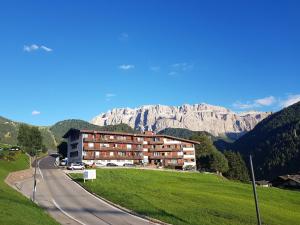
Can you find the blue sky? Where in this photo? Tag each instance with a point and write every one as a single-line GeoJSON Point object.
{"type": "Point", "coordinates": [75, 59]}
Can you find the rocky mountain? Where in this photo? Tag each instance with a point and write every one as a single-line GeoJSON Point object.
{"type": "Point", "coordinates": [216, 120]}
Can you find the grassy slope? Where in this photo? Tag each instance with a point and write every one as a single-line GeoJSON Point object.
{"type": "Point", "coordinates": [191, 198]}
{"type": "Point", "coordinates": [15, 208]}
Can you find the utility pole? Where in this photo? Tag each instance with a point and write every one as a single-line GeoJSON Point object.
{"type": "Point", "coordinates": [254, 192]}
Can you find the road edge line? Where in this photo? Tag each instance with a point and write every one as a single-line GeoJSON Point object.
{"type": "Point", "coordinates": [114, 205]}
{"type": "Point", "coordinates": [65, 213]}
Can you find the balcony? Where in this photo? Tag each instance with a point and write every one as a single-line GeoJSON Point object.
{"type": "Point", "coordinates": [103, 140]}
{"type": "Point", "coordinates": [164, 150]}
{"type": "Point", "coordinates": [166, 157]}
{"type": "Point", "coordinates": [155, 142]}
{"type": "Point", "coordinates": [113, 149]}
{"type": "Point", "coordinates": [115, 157]}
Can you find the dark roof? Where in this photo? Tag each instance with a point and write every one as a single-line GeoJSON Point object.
{"type": "Point", "coordinates": [127, 134]}
{"type": "Point", "coordinates": [262, 182]}
{"type": "Point", "coordinates": [295, 178]}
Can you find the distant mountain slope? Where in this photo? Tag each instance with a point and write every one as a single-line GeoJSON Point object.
{"type": "Point", "coordinates": [274, 143]}
{"type": "Point", "coordinates": [219, 142]}
{"type": "Point", "coordinates": [216, 120]}
{"type": "Point", "coordinates": [52, 135]}
{"type": "Point", "coordinates": [9, 133]}
{"type": "Point", "coordinates": [60, 128]}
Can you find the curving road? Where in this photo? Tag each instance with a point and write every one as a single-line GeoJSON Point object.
{"type": "Point", "coordinates": [69, 203]}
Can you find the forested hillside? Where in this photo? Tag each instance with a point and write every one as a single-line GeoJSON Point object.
{"type": "Point", "coordinates": [274, 143]}
{"type": "Point", "coordinates": [9, 132]}
{"type": "Point", "coordinates": [60, 128]}
{"type": "Point", "coordinates": [52, 135]}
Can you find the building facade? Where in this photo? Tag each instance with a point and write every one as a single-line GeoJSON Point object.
{"type": "Point", "coordinates": [150, 149]}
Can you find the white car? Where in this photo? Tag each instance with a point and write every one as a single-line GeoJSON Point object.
{"type": "Point", "coordinates": [97, 164]}
{"type": "Point", "coordinates": [63, 162]}
{"type": "Point", "coordinates": [76, 166]}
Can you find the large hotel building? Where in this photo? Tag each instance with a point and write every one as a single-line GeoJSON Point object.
{"type": "Point", "coordinates": [150, 149]}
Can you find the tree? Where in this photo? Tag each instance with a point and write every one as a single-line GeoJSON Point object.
{"type": "Point", "coordinates": [237, 167]}
{"type": "Point", "coordinates": [207, 156]}
{"type": "Point", "coordinates": [30, 139]}
{"type": "Point", "coordinates": [218, 162]}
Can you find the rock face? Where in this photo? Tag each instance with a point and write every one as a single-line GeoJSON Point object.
{"type": "Point", "coordinates": [198, 117]}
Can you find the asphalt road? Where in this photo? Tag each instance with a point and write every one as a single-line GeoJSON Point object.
{"type": "Point", "coordinates": [69, 203]}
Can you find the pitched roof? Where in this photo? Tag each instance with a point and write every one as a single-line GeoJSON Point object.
{"type": "Point", "coordinates": [128, 134]}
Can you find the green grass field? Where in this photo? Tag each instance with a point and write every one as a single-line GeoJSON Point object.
{"type": "Point", "coordinates": [193, 198]}
{"type": "Point", "coordinates": [15, 209]}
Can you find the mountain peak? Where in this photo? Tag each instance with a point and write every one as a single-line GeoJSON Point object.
{"type": "Point", "coordinates": [216, 120]}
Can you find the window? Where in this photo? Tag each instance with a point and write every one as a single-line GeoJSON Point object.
{"type": "Point", "coordinates": [85, 135]}
{"type": "Point", "coordinates": [111, 153]}
{"type": "Point", "coordinates": [73, 154]}
{"type": "Point", "coordinates": [129, 146]}
{"type": "Point", "coordinates": [156, 153]}
{"type": "Point", "coordinates": [179, 153]}
{"type": "Point", "coordinates": [97, 154]}
{"type": "Point", "coordinates": [91, 145]}
{"type": "Point", "coordinates": [111, 137]}
{"type": "Point", "coordinates": [121, 153]}
{"type": "Point", "coordinates": [174, 161]}
{"type": "Point", "coordinates": [74, 146]}
{"type": "Point", "coordinates": [140, 139]}
{"type": "Point", "coordinates": [105, 145]}
{"type": "Point", "coordinates": [84, 153]}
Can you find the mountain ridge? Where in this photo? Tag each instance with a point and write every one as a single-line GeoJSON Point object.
{"type": "Point", "coordinates": [216, 120]}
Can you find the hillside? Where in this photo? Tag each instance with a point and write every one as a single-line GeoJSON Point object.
{"type": "Point", "coordinates": [219, 142]}
{"type": "Point", "coordinates": [216, 120]}
{"type": "Point", "coordinates": [52, 135]}
{"type": "Point", "coordinates": [193, 198]}
{"type": "Point", "coordinates": [274, 143]}
{"type": "Point", "coordinates": [9, 133]}
{"type": "Point", "coordinates": [60, 128]}
{"type": "Point", "coordinates": [15, 209]}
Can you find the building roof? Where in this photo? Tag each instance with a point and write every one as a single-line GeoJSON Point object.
{"type": "Point", "coordinates": [295, 178]}
{"type": "Point", "coordinates": [127, 134]}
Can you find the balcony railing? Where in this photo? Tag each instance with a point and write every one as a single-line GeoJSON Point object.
{"type": "Point", "coordinates": [113, 149]}
{"type": "Point", "coordinates": [164, 150]}
{"type": "Point", "coordinates": [104, 140]}
{"type": "Point", "coordinates": [166, 157]}
{"type": "Point", "coordinates": [115, 157]}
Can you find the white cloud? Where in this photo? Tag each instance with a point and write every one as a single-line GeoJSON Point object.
{"type": "Point", "coordinates": [182, 66]}
{"type": "Point", "coordinates": [126, 66]}
{"type": "Point", "coordinates": [179, 68]}
{"type": "Point", "coordinates": [35, 112]}
{"type": "Point", "coordinates": [30, 48]}
{"type": "Point", "coordinates": [267, 101]}
{"type": "Point", "coordinates": [34, 47]}
{"type": "Point", "coordinates": [109, 95]}
{"type": "Point", "coordinates": [240, 105]}
{"type": "Point", "coordinates": [291, 99]}
{"type": "Point", "coordinates": [46, 48]}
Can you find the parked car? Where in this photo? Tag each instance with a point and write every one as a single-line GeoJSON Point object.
{"type": "Point", "coordinates": [89, 164]}
{"type": "Point", "coordinates": [97, 164]}
{"type": "Point", "coordinates": [111, 164]}
{"type": "Point", "coordinates": [129, 165]}
{"type": "Point", "coordinates": [63, 162]}
{"type": "Point", "coordinates": [76, 166]}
